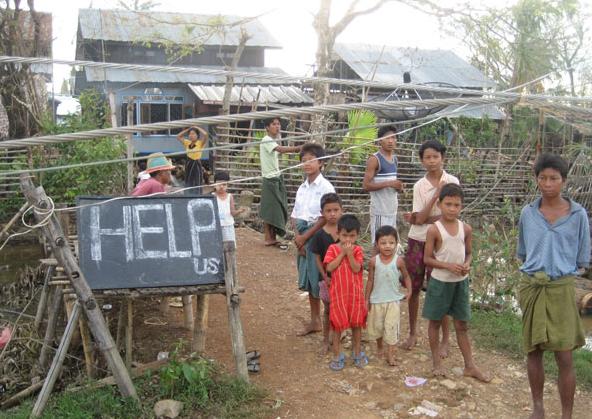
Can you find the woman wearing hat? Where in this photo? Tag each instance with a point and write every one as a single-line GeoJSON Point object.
{"type": "Point", "coordinates": [159, 168]}
{"type": "Point", "coordinates": [193, 146]}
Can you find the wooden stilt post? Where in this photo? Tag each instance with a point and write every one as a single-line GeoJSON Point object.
{"type": "Point", "coordinates": [58, 361]}
{"type": "Point", "coordinates": [129, 333]}
{"type": "Point", "coordinates": [188, 311]}
{"type": "Point", "coordinates": [233, 303]}
{"type": "Point", "coordinates": [120, 324]}
{"type": "Point", "coordinates": [89, 358]}
{"type": "Point", "coordinates": [198, 343]}
{"type": "Point", "coordinates": [59, 243]}
{"type": "Point", "coordinates": [52, 320]}
{"type": "Point", "coordinates": [43, 297]}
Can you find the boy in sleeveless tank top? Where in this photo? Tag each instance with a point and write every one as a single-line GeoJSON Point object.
{"type": "Point", "coordinates": [448, 251]}
{"type": "Point", "coordinates": [380, 180]}
{"type": "Point", "coordinates": [383, 292]}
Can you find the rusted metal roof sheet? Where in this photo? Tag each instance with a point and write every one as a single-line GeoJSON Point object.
{"type": "Point", "coordinates": [179, 28]}
{"type": "Point", "coordinates": [252, 94]}
{"type": "Point", "coordinates": [387, 64]}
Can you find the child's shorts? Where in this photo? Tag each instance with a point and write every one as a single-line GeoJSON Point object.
{"type": "Point", "coordinates": [383, 322]}
{"type": "Point", "coordinates": [324, 291]}
{"type": "Point", "coordinates": [414, 262]}
{"type": "Point", "coordinates": [450, 298]}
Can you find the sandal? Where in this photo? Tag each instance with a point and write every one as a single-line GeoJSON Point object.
{"type": "Point", "coordinates": [338, 364]}
{"type": "Point", "coordinates": [254, 367]}
{"type": "Point", "coordinates": [252, 355]}
{"type": "Point", "coordinates": [361, 361]}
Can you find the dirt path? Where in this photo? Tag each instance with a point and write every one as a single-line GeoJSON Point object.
{"type": "Point", "coordinates": [295, 374]}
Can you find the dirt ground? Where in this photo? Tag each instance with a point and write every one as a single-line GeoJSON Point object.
{"type": "Point", "coordinates": [297, 377]}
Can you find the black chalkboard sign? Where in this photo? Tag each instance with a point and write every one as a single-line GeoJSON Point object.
{"type": "Point", "coordinates": [150, 242]}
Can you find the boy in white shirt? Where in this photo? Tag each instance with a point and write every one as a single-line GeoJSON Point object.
{"type": "Point", "coordinates": [306, 221]}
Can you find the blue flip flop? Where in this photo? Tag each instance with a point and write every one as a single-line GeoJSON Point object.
{"type": "Point", "coordinates": [361, 360]}
{"type": "Point", "coordinates": [338, 364]}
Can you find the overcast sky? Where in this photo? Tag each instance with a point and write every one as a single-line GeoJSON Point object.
{"type": "Point", "coordinates": [290, 22]}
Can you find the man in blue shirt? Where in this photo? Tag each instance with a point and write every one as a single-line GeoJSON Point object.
{"type": "Point", "coordinates": [553, 244]}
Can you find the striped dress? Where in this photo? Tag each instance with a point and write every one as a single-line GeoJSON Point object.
{"type": "Point", "coordinates": [348, 305]}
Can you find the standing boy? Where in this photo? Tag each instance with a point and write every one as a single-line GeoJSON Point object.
{"type": "Point", "coordinates": [331, 209]}
{"type": "Point", "coordinates": [383, 292]}
{"type": "Point", "coordinates": [448, 250]}
{"type": "Point", "coordinates": [380, 179]}
{"type": "Point", "coordinates": [274, 203]}
{"type": "Point", "coordinates": [348, 306]}
{"type": "Point", "coordinates": [159, 169]}
{"type": "Point", "coordinates": [553, 244]}
{"type": "Point", "coordinates": [425, 212]}
{"type": "Point", "coordinates": [307, 220]}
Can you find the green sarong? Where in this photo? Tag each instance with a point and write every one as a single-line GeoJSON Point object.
{"type": "Point", "coordinates": [550, 318]}
{"type": "Point", "coordinates": [308, 272]}
{"type": "Point", "coordinates": [273, 208]}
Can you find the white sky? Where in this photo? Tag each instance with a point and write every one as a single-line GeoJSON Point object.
{"type": "Point", "coordinates": [290, 22]}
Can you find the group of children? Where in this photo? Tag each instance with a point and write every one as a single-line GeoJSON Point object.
{"type": "Point", "coordinates": [554, 245]}
{"type": "Point", "coordinates": [330, 263]}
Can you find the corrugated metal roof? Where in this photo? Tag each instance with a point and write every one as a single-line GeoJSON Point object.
{"type": "Point", "coordinates": [181, 28]}
{"type": "Point", "coordinates": [478, 112]}
{"type": "Point", "coordinates": [387, 64]}
{"type": "Point", "coordinates": [131, 76]}
{"type": "Point", "coordinates": [250, 94]}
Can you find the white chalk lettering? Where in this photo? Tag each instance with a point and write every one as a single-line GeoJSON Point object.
{"type": "Point", "coordinates": [96, 232]}
{"type": "Point", "coordinates": [140, 230]}
{"type": "Point", "coordinates": [213, 265]}
{"type": "Point", "coordinates": [194, 227]}
{"type": "Point", "coordinates": [173, 252]}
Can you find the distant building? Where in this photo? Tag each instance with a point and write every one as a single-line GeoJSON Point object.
{"type": "Point", "coordinates": [143, 38]}
{"type": "Point", "coordinates": [419, 66]}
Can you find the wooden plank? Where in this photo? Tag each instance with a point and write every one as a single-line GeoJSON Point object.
{"type": "Point", "coordinates": [129, 331]}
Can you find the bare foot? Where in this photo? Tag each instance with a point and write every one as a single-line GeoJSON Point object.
{"type": "Point", "coordinates": [410, 342]}
{"type": "Point", "coordinates": [538, 413]}
{"type": "Point", "coordinates": [392, 361]}
{"type": "Point", "coordinates": [438, 372]}
{"type": "Point", "coordinates": [476, 374]}
{"type": "Point", "coordinates": [273, 243]}
{"type": "Point", "coordinates": [325, 348]}
{"type": "Point", "coordinates": [444, 350]}
{"type": "Point", "coordinates": [380, 354]}
{"type": "Point", "coordinates": [310, 328]}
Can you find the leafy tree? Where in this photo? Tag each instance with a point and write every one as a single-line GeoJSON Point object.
{"type": "Point", "coordinates": [65, 185]}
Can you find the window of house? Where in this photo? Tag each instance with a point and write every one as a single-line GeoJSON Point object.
{"type": "Point", "coordinates": [168, 108]}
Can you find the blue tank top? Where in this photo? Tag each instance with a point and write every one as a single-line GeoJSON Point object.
{"type": "Point", "coordinates": [386, 282]}
{"type": "Point", "coordinates": [384, 201]}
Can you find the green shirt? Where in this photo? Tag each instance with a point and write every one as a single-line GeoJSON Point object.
{"type": "Point", "coordinates": [270, 165]}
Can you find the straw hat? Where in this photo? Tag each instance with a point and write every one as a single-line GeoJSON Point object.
{"type": "Point", "coordinates": [158, 162]}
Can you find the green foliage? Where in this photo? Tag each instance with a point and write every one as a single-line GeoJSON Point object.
{"type": "Point", "coordinates": [253, 154]}
{"type": "Point", "coordinates": [503, 332]}
{"type": "Point", "coordinates": [495, 268]}
{"type": "Point", "coordinates": [65, 185]}
{"type": "Point", "coordinates": [204, 389]}
{"type": "Point", "coordinates": [188, 381]}
{"type": "Point", "coordinates": [361, 130]}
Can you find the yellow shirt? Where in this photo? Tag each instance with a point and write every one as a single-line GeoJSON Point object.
{"type": "Point", "coordinates": [195, 152]}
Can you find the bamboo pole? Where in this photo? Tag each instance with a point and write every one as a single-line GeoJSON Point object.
{"type": "Point", "coordinates": [43, 298]}
{"type": "Point", "coordinates": [61, 250]}
{"type": "Point", "coordinates": [188, 312]}
{"type": "Point", "coordinates": [198, 342]}
{"type": "Point", "coordinates": [233, 304]}
{"type": "Point", "coordinates": [52, 320]}
{"type": "Point", "coordinates": [89, 358]}
{"type": "Point", "coordinates": [56, 365]}
{"type": "Point", "coordinates": [129, 332]}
